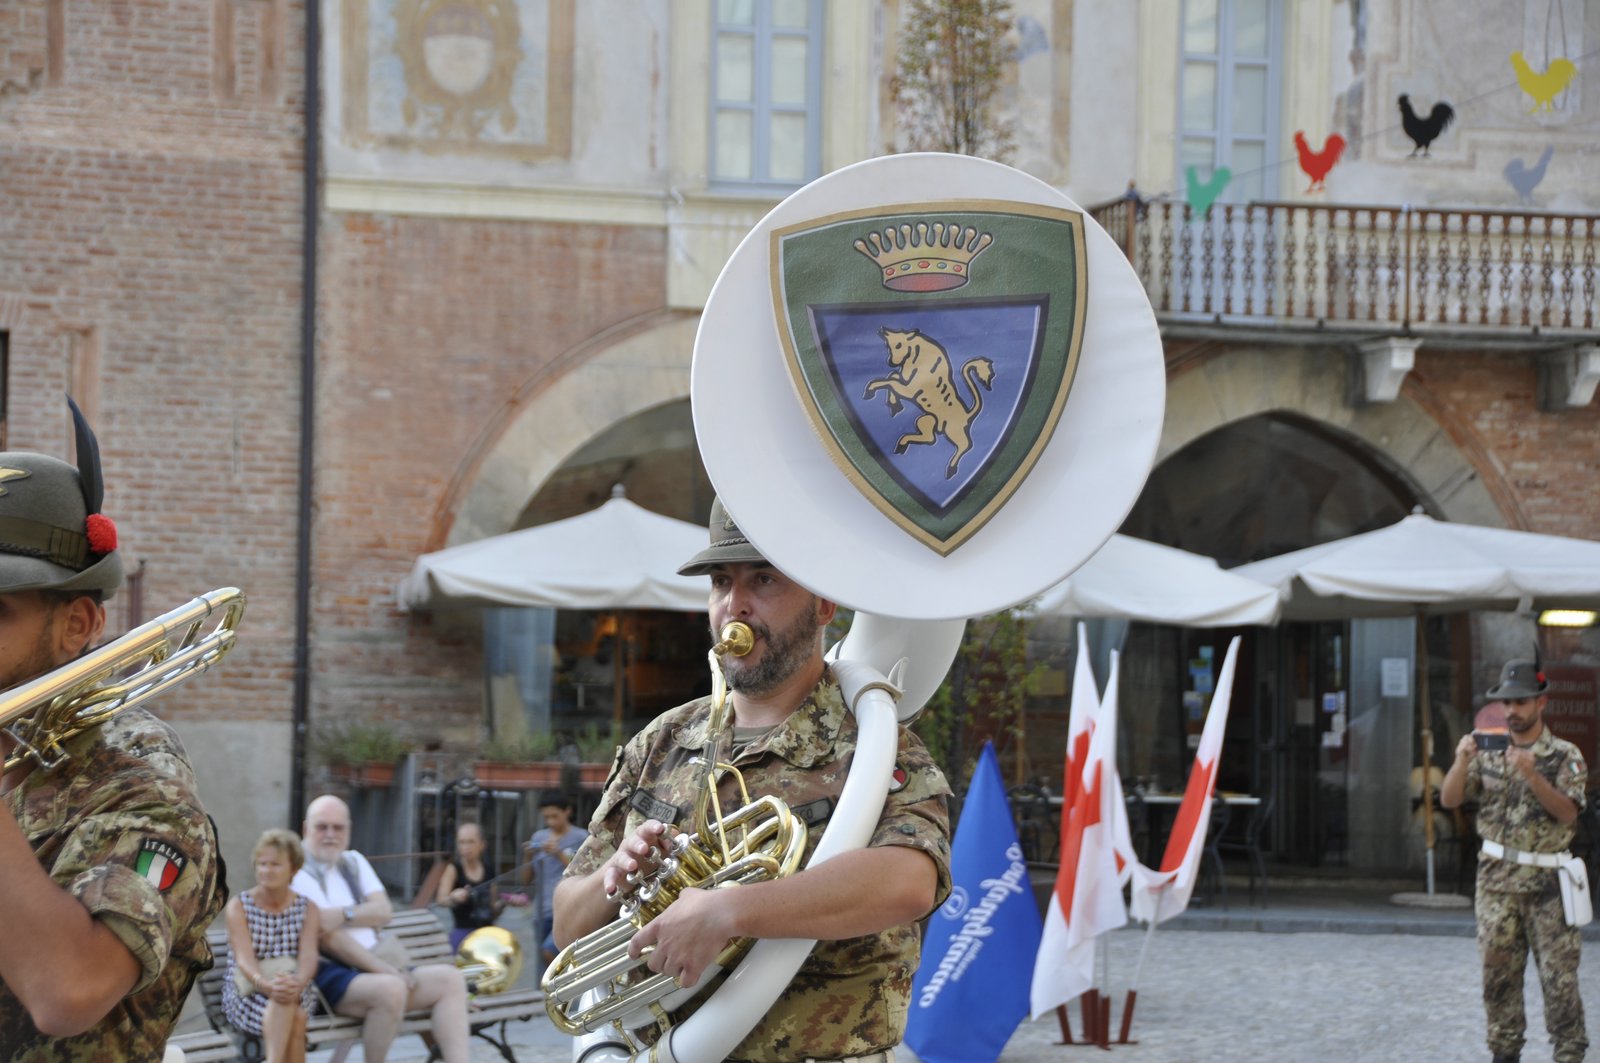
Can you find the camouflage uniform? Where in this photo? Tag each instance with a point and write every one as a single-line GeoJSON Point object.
{"type": "Point", "coordinates": [120, 828]}
{"type": "Point", "coordinates": [850, 997]}
{"type": "Point", "coordinates": [1519, 905]}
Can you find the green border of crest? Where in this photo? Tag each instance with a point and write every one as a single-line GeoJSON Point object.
{"type": "Point", "coordinates": [990, 275]}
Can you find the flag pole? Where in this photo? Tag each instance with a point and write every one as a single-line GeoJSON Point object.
{"type": "Point", "coordinates": [1138, 971]}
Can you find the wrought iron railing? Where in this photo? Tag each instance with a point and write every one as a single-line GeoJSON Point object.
{"type": "Point", "coordinates": [1333, 266]}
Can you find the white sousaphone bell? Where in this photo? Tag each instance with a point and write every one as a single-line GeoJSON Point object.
{"type": "Point", "coordinates": [928, 387]}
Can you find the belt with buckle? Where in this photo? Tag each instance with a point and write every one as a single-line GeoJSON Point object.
{"type": "Point", "coordinates": [1522, 856]}
{"type": "Point", "coordinates": [886, 1056]}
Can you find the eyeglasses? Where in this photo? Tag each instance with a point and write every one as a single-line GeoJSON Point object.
{"type": "Point", "coordinates": [337, 828]}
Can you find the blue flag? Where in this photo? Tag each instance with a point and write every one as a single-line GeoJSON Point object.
{"type": "Point", "coordinates": [972, 988]}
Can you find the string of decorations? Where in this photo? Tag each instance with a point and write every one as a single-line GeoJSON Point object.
{"type": "Point", "coordinates": [1423, 129]}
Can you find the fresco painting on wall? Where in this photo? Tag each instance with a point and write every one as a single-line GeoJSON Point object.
{"type": "Point", "coordinates": [459, 77]}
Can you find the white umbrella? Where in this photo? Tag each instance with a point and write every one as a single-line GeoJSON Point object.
{"type": "Point", "coordinates": [1132, 579]}
{"type": "Point", "coordinates": [1424, 565]}
{"type": "Point", "coordinates": [619, 556]}
{"type": "Point", "coordinates": [1419, 566]}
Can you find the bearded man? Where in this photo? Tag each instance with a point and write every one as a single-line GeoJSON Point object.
{"type": "Point", "coordinates": [791, 736]}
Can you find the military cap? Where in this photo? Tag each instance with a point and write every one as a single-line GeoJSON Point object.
{"type": "Point", "coordinates": [1519, 679]}
{"type": "Point", "coordinates": [52, 533]}
{"type": "Point", "coordinates": [728, 545]}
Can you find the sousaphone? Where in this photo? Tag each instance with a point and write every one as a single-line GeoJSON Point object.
{"type": "Point", "coordinates": [928, 387]}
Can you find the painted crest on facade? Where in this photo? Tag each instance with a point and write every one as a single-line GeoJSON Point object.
{"type": "Point", "coordinates": [932, 346]}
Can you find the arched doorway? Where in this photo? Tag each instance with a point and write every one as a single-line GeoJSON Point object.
{"type": "Point", "coordinates": [1312, 721]}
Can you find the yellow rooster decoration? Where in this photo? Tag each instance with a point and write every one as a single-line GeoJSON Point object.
{"type": "Point", "coordinates": [1545, 87]}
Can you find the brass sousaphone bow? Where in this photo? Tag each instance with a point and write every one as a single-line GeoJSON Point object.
{"type": "Point", "coordinates": [928, 387]}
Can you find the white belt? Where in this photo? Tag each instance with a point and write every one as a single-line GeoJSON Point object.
{"type": "Point", "coordinates": [1522, 856]}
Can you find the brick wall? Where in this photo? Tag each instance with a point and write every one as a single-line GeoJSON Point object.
{"type": "Point", "coordinates": [151, 236]}
{"type": "Point", "coordinates": [429, 327]}
{"type": "Point", "coordinates": [1547, 460]}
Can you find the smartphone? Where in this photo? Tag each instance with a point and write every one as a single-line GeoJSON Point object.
{"type": "Point", "coordinates": [1493, 741]}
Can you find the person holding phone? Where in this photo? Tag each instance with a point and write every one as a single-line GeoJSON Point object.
{"type": "Point", "coordinates": [1529, 794]}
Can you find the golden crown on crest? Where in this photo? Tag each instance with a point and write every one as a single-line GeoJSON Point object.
{"type": "Point", "coordinates": [924, 258]}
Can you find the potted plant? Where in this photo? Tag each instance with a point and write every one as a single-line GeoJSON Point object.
{"type": "Point", "coordinates": [363, 754]}
{"type": "Point", "coordinates": [597, 748]}
{"type": "Point", "coordinates": [525, 761]}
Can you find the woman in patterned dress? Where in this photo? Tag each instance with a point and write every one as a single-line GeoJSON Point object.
{"type": "Point", "coordinates": [270, 922]}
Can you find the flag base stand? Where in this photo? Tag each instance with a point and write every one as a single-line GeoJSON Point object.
{"type": "Point", "coordinates": [1097, 1021]}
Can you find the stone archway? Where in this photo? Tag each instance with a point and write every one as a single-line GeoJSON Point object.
{"type": "Point", "coordinates": [614, 376]}
{"type": "Point", "coordinates": [1412, 434]}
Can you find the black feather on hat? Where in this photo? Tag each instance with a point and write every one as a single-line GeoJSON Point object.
{"type": "Point", "coordinates": [88, 447]}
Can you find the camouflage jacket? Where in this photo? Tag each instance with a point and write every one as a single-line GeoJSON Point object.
{"type": "Point", "coordinates": [120, 828]}
{"type": "Point", "coordinates": [1510, 813]}
{"type": "Point", "coordinates": [850, 997]}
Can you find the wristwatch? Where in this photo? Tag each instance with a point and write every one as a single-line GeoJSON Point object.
{"type": "Point", "coordinates": [349, 915]}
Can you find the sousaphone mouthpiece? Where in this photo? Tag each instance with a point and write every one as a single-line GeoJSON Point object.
{"type": "Point", "coordinates": [737, 639]}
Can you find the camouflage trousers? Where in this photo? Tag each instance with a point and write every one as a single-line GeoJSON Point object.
{"type": "Point", "coordinates": [1509, 926]}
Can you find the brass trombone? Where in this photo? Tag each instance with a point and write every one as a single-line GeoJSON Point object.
{"type": "Point", "coordinates": [45, 712]}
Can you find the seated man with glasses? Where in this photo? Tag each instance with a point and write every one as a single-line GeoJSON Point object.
{"type": "Point", "coordinates": [356, 976]}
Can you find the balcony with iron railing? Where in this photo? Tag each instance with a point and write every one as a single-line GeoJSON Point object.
{"type": "Point", "coordinates": [1447, 275]}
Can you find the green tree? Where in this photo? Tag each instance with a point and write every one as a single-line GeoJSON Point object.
{"type": "Point", "coordinates": [984, 697]}
{"type": "Point", "coordinates": [951, 64]}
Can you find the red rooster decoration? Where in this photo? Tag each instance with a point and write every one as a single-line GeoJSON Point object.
{"type": "Point", "coordinates": [1316, 164]}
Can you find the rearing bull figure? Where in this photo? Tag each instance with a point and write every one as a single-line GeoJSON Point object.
{"type": "Point", "coordinates": [920, 373]}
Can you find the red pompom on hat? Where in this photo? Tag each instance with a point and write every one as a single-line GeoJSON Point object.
{"type": "Point", "coordinates": [102, 533]}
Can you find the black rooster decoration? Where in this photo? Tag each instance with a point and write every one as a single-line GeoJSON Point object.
{"type": "Point", "coordinates": [1424, 131]}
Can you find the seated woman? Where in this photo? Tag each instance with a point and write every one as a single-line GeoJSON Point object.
{"type": "Point", "coordinates": [465, 886]}
{"type": "Point", "coordinates": [272, 946]}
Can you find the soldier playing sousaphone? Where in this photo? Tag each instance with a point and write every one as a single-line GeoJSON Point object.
{"type": "Point", "coordinates": [916, 404]}
{"type": "Point", "coordinates": [790, 735]}
{"type": "Point", "coordinates": [108, 866]}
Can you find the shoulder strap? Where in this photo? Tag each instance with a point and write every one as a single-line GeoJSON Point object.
{"type": "Point", "coordinates": [352, 877]}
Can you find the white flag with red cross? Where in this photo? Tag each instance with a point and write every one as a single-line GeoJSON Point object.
{"type": "Point", "coordinates": [1087, 899]}
{"type": "Point", "coordinates": [1160, 894]}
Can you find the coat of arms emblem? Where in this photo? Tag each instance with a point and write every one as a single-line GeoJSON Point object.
{"type": "Point", "coordinates": [932, 346]}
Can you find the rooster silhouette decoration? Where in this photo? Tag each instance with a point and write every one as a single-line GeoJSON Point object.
{"type": "Point", "coordinates": [1316, 164]}
{"type": "Point", "coordinates": [1524, 178]}
{"type": "Point", "coordinates": [1424, 131]}
{"type": "Point", "coordinates": [1543, 87]}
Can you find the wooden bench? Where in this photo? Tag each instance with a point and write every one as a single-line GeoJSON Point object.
{"type": "Point", "coordinates": [426, 942]}
{"type": "Point", "coordinates": [207, 1046]}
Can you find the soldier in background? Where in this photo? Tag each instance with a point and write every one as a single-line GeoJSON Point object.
{"type": "Point", "coordinates": [108, 866]}
{"type": "Point", "coordinates": [1529, 796]}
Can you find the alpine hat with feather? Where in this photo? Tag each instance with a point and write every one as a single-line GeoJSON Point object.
{"type": "Point", "coordinates": [53, 536]}
{"type": "Point", "coordinates": [1520, 679]}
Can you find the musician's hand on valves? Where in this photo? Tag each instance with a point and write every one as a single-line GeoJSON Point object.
{"type": "Point", "coordinates": [687, 936]}
{"type": "Point", "coordinates": [640, 853]}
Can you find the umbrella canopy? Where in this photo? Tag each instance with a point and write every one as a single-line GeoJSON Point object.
{"type": "Point", "coordinates": [1132, 579]}
{"type": "Point", "coordinates": [1419, 566]}
{"type": "Point", "coordinates": [619, 556]}
{"type": "Point", "coordinates": [1422, 565]}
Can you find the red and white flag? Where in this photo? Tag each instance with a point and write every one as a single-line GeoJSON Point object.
{"type": "Point", "coordinates": [1164, 893]}
{"type": "Point", "coordinates": [1087, 900]}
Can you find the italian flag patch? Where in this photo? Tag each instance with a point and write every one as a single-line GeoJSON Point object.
{"type": "Point", "coordinates": [160, 863]}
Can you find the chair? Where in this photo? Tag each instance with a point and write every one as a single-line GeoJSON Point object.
{"type": "Point", "coordinates": [1037, 832]}
{"type": "Point", "coordinates": [1139, 826]}
{"type": "Point", "coordinates": [1211, 860]}
{"type": "Point", "coordinates": [1248, 845]}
